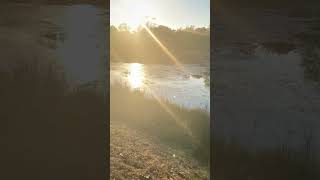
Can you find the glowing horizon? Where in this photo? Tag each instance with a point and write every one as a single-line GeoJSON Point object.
{"type": "Point", "coordinates": [173, 14]}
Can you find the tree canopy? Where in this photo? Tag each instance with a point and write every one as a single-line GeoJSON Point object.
{"type": "Point", "coordinates": [189, 45]}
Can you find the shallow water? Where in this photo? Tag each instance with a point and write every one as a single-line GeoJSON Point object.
{"type": "Point", "coordinates": [78, 32]}
{"type": "Point", "coordinates": [74, 36]}
{"type": "Point", "coordinates": [187, 87]}
{"type": "Point", "coordinates": [266, 93]}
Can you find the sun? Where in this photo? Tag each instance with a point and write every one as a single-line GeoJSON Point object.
{"type": "Point", "coordinates": [133, 13]}
{"type": "Point", "coordinates": [138, 17]}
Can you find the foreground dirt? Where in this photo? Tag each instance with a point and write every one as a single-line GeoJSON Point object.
{"type": "Point", "coordinates": [134, 156]}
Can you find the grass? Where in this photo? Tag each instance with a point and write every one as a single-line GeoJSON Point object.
{"type": "Point", "coordinates": [233, 161]}
{"type": "Point", "coordinates": [48, 131]}
{"type": "Point", "coordinates": [187, 129]}
{"type": "Point", "coordinates": [230, 160]}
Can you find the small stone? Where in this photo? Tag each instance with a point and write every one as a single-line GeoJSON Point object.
{"type": "Point", "coordinates": [181, 174]}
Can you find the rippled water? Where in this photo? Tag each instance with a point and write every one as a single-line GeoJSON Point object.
{"type": "Point", "coordinates": [188, 87]}
{"type": "Point", "coordinates": [266, 95]}
{"type": "Point", "coordinates": [74, 36]}
{"type": "Point", "coordinates": [79, 38]}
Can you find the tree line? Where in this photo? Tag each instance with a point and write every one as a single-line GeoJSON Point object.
{"type": "Point", "coordinates": [189, 45]}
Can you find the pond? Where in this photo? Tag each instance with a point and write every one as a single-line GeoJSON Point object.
{"type": "Point", "coordinates": [73, 36]}
{"type": "Point", "coordinates": [187, 87]}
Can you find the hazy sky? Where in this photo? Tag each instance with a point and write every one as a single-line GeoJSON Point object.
{"type": "Point", "coordinates": [172, 13]}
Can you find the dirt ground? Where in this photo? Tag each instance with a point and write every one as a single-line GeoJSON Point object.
{"type": "Point", "coordinates": [134, 156]}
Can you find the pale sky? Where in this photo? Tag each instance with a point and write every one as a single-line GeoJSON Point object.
{"type": "Point", "coordinates": [172, 13]}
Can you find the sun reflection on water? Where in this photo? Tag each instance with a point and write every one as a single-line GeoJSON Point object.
{"type": "Point", "coordinates": [136, 75]}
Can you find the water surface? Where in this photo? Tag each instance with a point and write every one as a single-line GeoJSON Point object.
{"type": "Point", "coordinates": [73, 36]}
{"type": "Point", "coordinates": [187, 87]}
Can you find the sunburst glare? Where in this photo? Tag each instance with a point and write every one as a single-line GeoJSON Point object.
{"type": "Point", "coordinates": [134, 13]}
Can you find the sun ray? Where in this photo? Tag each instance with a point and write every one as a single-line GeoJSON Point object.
{"type": "Point", "coordinates": [165, 49]}
{"type": "Point", "coordinates": [174, 116]}
{"type": "Point", "coordinates": [157, 98]}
